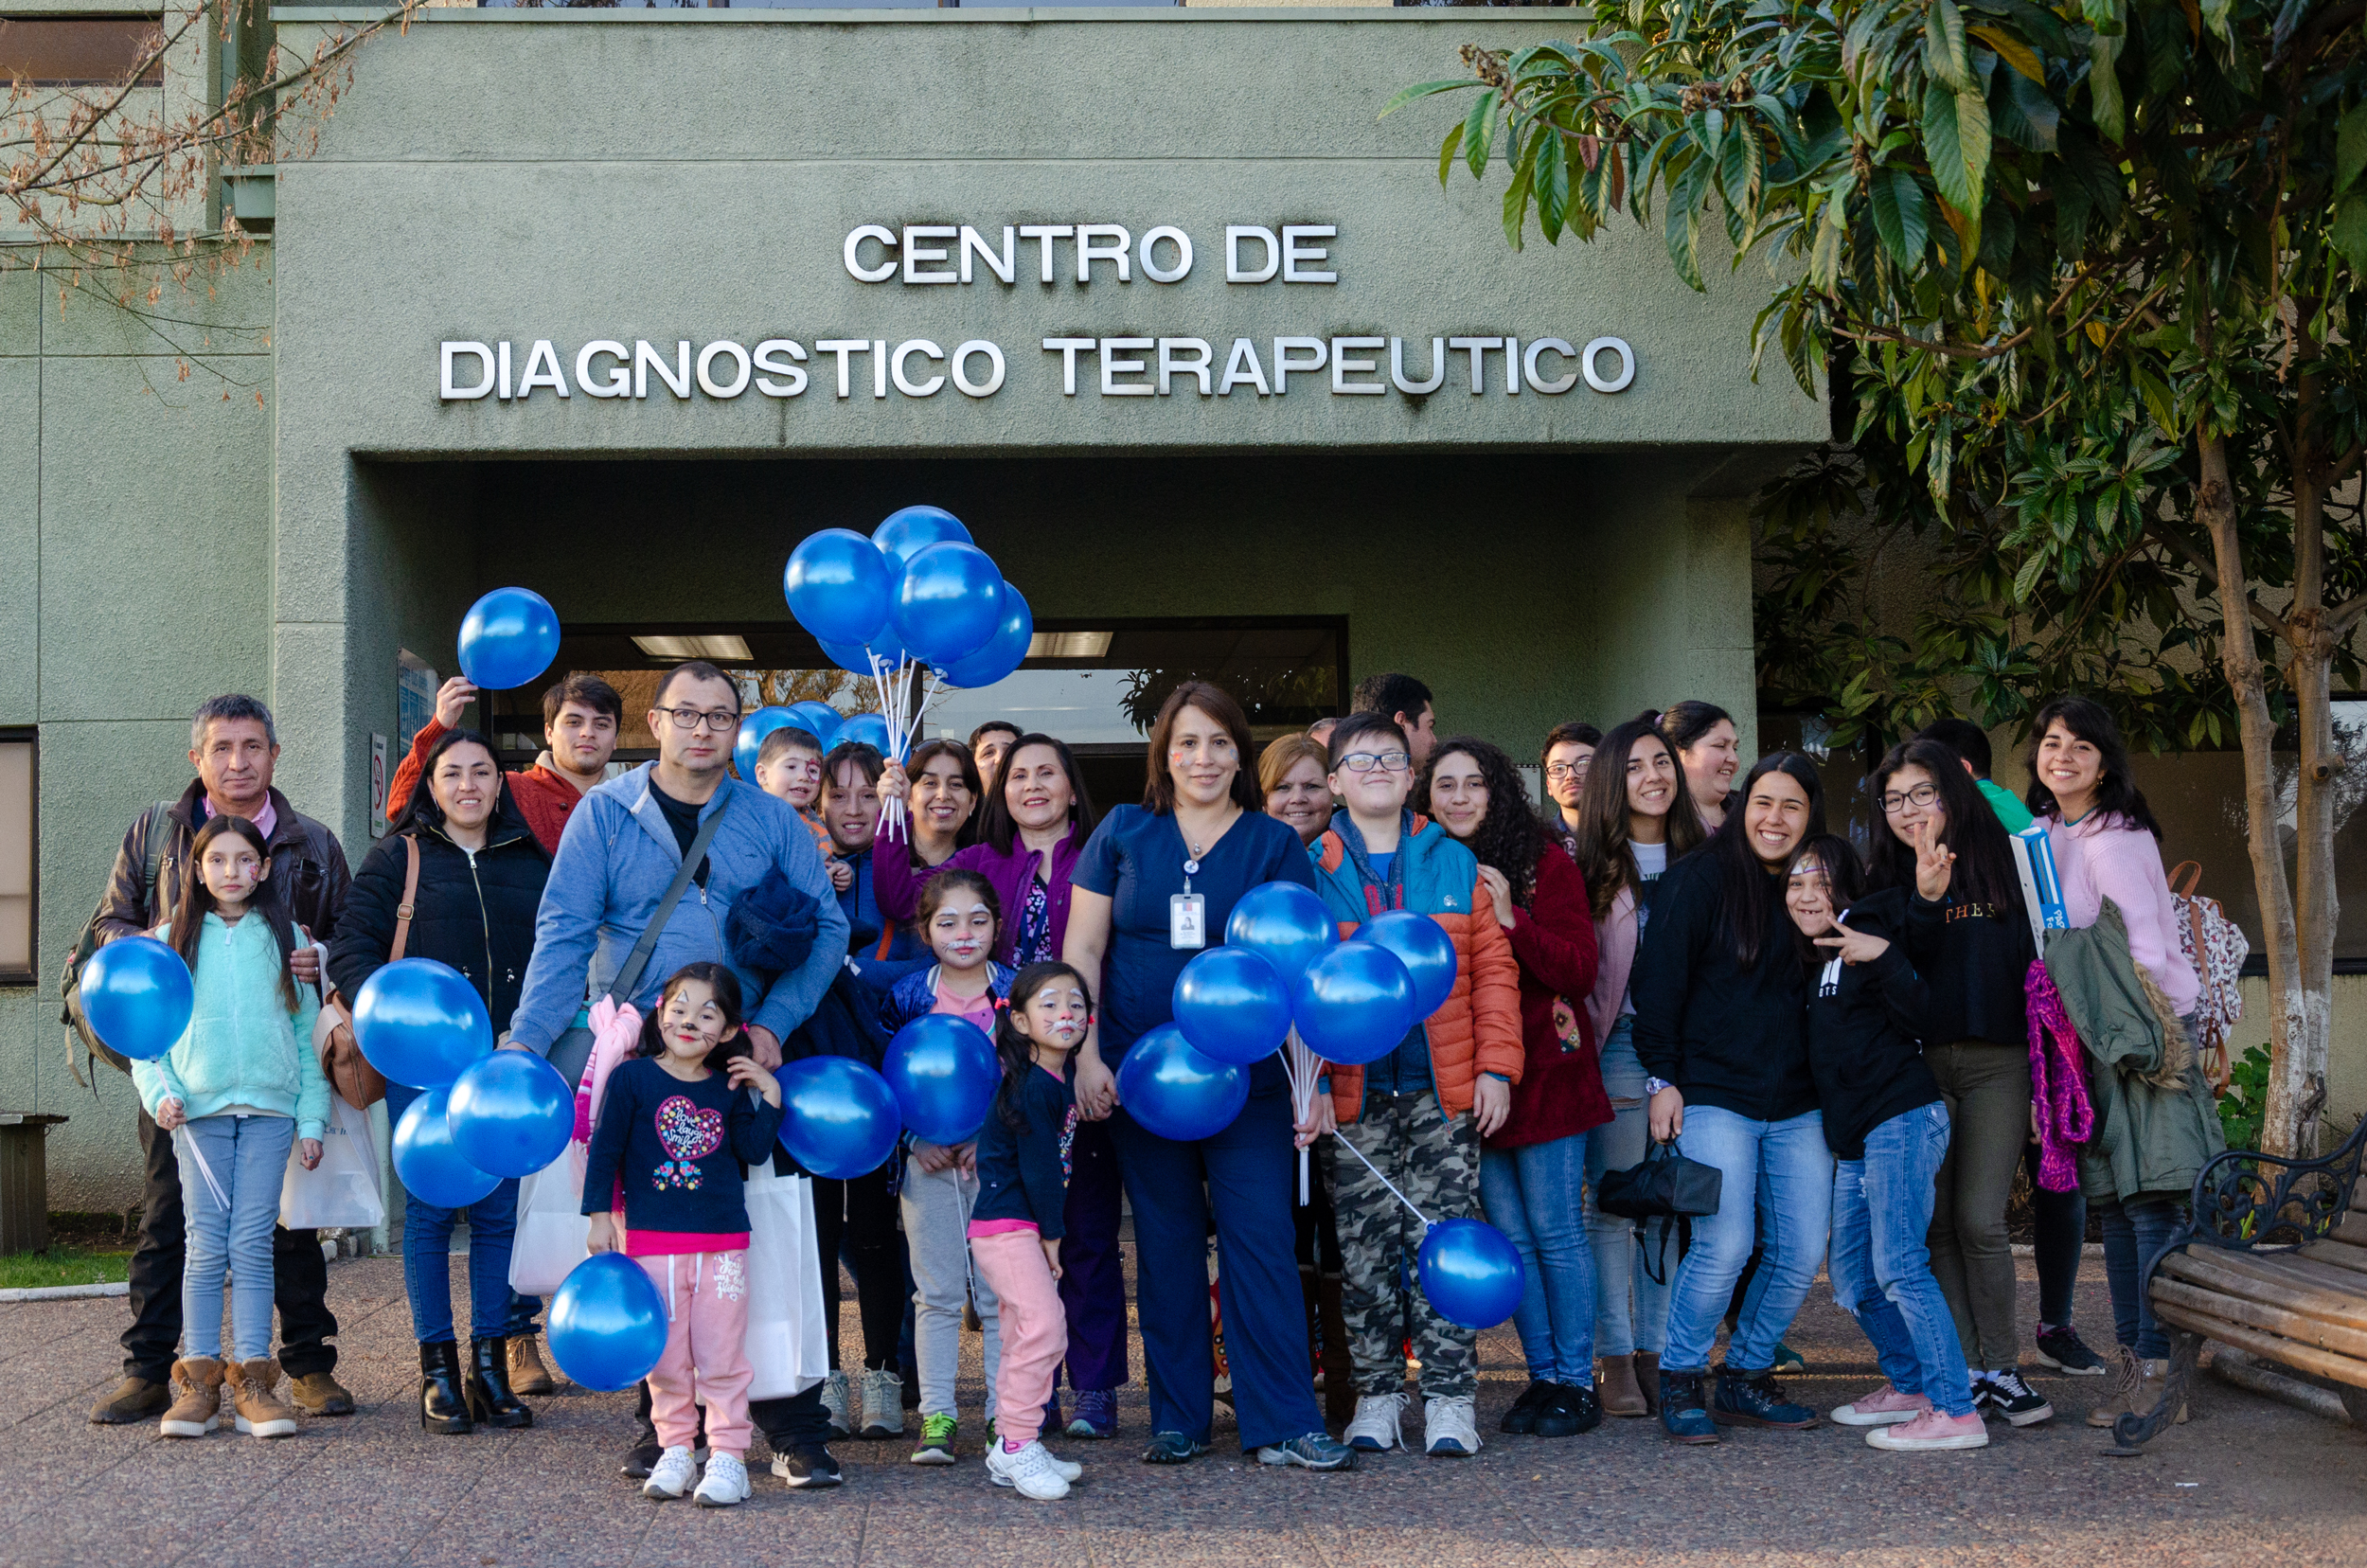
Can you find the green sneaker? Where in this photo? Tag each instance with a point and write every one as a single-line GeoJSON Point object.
{"type": "Point", "coordinates": [1788, 1360]}
{"type": "Point", "coordinates": [936, 1440]}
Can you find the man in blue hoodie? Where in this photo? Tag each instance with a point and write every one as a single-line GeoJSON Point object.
{"type": "Point", "coordinates": [622, 846]}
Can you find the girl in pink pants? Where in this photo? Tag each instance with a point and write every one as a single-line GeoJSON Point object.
{"type": "Point", "coordinates": [1015, 1229]}
{"type": "Point", "coordinates": [677, 1123]}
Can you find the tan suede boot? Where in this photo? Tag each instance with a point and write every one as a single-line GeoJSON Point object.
{"type": "Point", "coordinates": [198, 1409]}
{"type": "Point", "coordinates": [1616, 1387]}
{"type": "Point", "coordinates": [2126, 1373]}
{"type": "Point", "coordinates": [1647, 1379]}
{"type": "Point", "coordinates": [255, 1398]}
{"type": "Point", "coordinates": [527, 1374]}
{"type": "Point", "coordinates": [2153, 1379]}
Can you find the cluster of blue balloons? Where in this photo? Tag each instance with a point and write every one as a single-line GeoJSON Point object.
{"type": "Point", "coordinates": [137, 997]}
{"type": "Point", "coordinates": [486, 1115]}
{"type": "Point", "coordinates": [918, 588]}
{"type": "Point", "coordinates": [507, 638]}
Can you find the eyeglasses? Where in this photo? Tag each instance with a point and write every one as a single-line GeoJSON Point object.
{"type": "Point", "coordinates": [1567, 770]}
{"type": "Point", "coordinates": [719, 719]}
{"type": "Point", "coordinates": [1396, 762]}
{"type": "Point", "coordinates": [1922, 795]}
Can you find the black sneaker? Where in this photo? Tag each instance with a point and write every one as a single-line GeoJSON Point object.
{"type": "Point", "coordinates": [1570, 1410]}
{"type": "Point", "coordinates": [2061, 1349]}
{"type": "Point", "coordinates": [1521, 1418]}
{"type": "Point", "coordinates": [641, 1459]}
{"type": "Point", "coordinates": [1751, 1398]}
{"type": "Point", "coordinates": [808, 1466]}
{"type": "Point", "coordinates": [2008, 1396]}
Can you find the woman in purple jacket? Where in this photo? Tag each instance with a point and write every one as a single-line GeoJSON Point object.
{"type": "Point", "coordinates": [1036, 818]}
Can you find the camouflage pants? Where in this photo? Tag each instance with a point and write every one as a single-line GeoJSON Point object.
{"type": "Point", "coordinates": [1434, 1161]}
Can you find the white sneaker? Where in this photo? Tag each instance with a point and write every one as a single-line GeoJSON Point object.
{"type": "Point", "coordinates": [1449, 1429]}
{"type": "Point", "coordinates": [1029, 1472]}
{"type": "Point", "coordinates": [1068, 1469]}
{"type": "Point", "coordinates": [882, 1404]}
{"type": "Point", "coordinates": [1376, 1428]}
{"type": "Point", "coordinates": [670, 1476]}
{"type": "Point", "coordinates": [834, 1404]}
{"type": "Point", "coordinates": [724, 1484]}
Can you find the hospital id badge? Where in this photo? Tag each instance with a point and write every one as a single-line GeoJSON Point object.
{"type": "Point", "coordinates": [1188, 920]}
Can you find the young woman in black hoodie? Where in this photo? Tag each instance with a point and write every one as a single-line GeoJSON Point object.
{"type": "Point", "coordinates": [1888, 1130]}
{"type": "Point", "coordinates": [1720, 1002]}
{"type": "Point", "coordinates": [1947, 856]}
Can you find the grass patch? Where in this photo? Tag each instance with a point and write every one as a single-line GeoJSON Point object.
{"type": "Point", "coordinates": [63, 1266]}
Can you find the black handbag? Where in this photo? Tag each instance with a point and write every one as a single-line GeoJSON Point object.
{"type": "Point", "coordinates": [1666, 1185]}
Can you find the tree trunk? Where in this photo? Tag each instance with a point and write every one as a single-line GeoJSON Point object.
{"type": "Point", "coordinates": [2297, 1094]}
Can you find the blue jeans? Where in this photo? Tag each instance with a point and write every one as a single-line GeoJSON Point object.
{"type": "Point", "coordinates": [2133, 1232]}
{"type": "Point", "coordinates": [1791, 1158]}
{"type": "Point", "coordinates": [232, 1170]}
{"type": "Point", "coordinates": [1880, 1267]}
{"type": "Point", "coordinates": [1535, 1195]}
{"type": "Point", "coordinates": [495, 1312]}
{"type": "Point", "coordinates": [1623, 1247]}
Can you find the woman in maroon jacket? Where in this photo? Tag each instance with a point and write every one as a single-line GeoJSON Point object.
{"type": "Point", "coordinates": [1533, 1170]}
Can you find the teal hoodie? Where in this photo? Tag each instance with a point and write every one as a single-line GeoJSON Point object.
{"type": "Point", "coordinates": [242, 1047]}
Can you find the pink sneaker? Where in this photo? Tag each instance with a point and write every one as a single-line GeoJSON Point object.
{"type": "Point", "coordinates": [1931, 1430]}
{"type": "Point", "coordinates": [1885, 1406]}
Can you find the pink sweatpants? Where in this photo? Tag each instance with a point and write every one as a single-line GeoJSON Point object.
{"type": "Point", "coordinates": [1034, 1329]}
{"type": "Point", "coordinates": [707, 1350]}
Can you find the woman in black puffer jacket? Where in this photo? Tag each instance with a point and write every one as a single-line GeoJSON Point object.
{"type": "Point", "coordinates": [480, 881]}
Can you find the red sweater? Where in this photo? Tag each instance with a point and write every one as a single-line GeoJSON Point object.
{"type": "Point", "coordinates": [1560, 1092]}
{"type": "Point", "coordinates": [546, 798]}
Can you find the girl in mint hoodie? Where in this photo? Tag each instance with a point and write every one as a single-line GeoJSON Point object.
{"type": "Point", "coordinates": [239, 1087]}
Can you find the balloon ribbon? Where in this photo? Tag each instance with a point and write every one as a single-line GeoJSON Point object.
{"type": "Point", "coordinates": [1383, 1179]}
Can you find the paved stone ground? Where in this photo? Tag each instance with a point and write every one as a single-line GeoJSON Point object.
{"type": "Point", "coordinates": [2249, 1481]}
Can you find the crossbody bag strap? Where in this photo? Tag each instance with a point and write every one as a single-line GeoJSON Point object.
{"type": "Point", "coordinates": [629, 973]}
{"type": "Point", "coordinates": [404, 910]}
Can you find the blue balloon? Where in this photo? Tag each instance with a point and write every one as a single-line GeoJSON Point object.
{"type": "Point", "coordinates": [837, 585]}
{"type": "Point", "coordinates": [511, 1113]}
{"type": "Point", "coordinates": [420, 1023]}
{"type": "Point", "coordinates": [944, 1072]}
{"type": "Point", "coordinates": [1423, 946]}
{"type": "Point", "coordinates": [431, 1165]}
{"type": "Point", "coordinates": [1232, 1005]}
{"type": "Point", "coordinates": [911, 529]}
{"type": "Point", "coordinates": [1175, 1090]}
{"type": "Point", "coordinates": [1471, 1273]}
{"type": "Point", "coordinates": [950, 602]}
{"type": "Point", "coordinates": [507, 638]}
{"type": "Point", "coordinates": [607, 1323]}
{"type": "Point", "coordinates": [1003, 652]}
{"type": "Point", "coordinates": [842, 1118]}
{"type": "Point", "coordinates": [1286, 924]}
{"type": "Point", "coordinates": [865, 729]}
{"type": "Point", "coordinates": [137, 997]}
{"type": "Point", "coordinates": [819, 719]}
{"type": "Point", "coordinates": [753, 729]}
{"type": "Point", "coordinates": [1354, 1004]}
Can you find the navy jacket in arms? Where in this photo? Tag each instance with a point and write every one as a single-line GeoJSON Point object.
{"type": "Point", "coordinates": [1865, 1026]}
{"type": "Point", "coordinates": [1022, 1171]}
{"type": "Point", "coordinates": [1726, 1036]}
{"type": "Point", "coordinates": [679, 1149]}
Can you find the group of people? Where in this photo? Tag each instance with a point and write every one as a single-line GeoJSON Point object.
{"type": "Point", "coordinates": [1669, 960]}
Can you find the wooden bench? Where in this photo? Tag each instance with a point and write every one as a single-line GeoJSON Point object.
{"type": "Point", "coordinates": [2272, 1260]}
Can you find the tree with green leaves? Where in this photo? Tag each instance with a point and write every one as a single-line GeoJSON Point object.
{"type": "Point", "coordinates": [2092, 274]}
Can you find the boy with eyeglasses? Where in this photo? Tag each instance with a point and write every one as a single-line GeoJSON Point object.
{"type": "Point", "coordinates": [1416, 1116]}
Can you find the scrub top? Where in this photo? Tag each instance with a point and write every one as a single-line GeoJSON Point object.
{"type": "Point", "coordinates": [1136, 859]}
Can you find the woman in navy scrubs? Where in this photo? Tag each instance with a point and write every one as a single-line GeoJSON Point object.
{"type": "Point", "coordinates": [1155, 885]}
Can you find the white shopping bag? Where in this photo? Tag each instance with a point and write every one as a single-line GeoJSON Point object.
{"type": "Point", "coordinates": [787, 1344]}
{"type": "Point", "coordinates": [343, 1190]}
{"type": "Point", "coordinates": [552, 1229]}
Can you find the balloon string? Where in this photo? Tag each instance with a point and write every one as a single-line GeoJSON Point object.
{"type": "Point", "coordinates": [1383, 1179]}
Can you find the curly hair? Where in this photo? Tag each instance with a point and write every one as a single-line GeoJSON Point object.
{"type": "Point", "coordinates": [1511, 836]}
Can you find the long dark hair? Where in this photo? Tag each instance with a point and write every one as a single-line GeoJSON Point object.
{"type": "Point", "coordinates": [998, 828]}
{"type": "Point", "coordinates": [726, 988]}
{"type": "Point", "coordinates": [2118, 799]}
{"type": "Point", "coordinates": [1843, 874]}
{"type": "Point", "coordinates": [1014, 1050]}
{"type": "Point", "coordinates": [1750, 901]}
{"type": "Point", "coordinates": [197, 901]}
{"type": "Point", "coordinates": [421, 811]}
{"type": "Point", "coordinates": [1984, 873]}
{"type": "Point", "coordinates": [966, 833]}
{"type": "Point", "coordinates": [1219, 704]}
{"type": "Point", "coordinates": [1511, 836]}
{"type": "Point", "coordinates": [1606, 859]}
{"type": "Point", "coordinates": [933, 894]}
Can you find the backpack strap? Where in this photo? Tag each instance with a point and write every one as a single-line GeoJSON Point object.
{"type": "Point", "coordinates": [2185, 877]}
{"type": "Point", "coordinates": [629, 973]}
{"type": "Point", "coordinates": [409, 906]}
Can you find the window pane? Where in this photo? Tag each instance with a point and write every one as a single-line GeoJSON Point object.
{"type": "Point", "coordinates": [65, 51]}
{"type": "Point", "coordinates": [16, 859]}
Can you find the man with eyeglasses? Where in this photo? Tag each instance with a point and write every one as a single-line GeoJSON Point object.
{"type": "Point", "coordinates": [621, 849]}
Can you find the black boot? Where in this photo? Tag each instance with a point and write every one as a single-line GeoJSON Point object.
{"type": "Point", "coordinates": [442, 1405]}
{"type": "Point", "coordinates": [489, 1398]}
